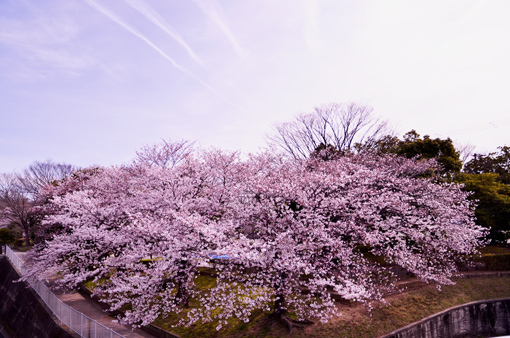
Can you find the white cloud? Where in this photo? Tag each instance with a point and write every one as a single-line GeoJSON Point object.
{"type": "Point", "coordinates": [213, 10]}
{"type": "Point", "coordinates": [147, 11]}
{"type": "Point", "coordinates": [43, 47]}
{"type": "Point", "coordinates": [135, 32]}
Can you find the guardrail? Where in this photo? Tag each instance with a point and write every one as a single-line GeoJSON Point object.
{"type": "Point", "coordinates": [75, 320]}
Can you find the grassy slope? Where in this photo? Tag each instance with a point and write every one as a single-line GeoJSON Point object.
{"type": "Point", "coordinates": [408, 307]}
{"type": "Point", "coordinates": [356, 321]}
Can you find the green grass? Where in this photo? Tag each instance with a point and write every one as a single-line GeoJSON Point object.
{"type": "Point", "coordinates": [356, 320]}
{"type": "Point", "coordinates": [407, 308]}
{"type": "Point", "coordinates": [235, 327]}
{"type": "Point", "coordinates": [495, 250]}
{"type": "Point", "coordinates": [494, 258]}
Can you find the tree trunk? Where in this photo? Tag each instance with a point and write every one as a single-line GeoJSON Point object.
{"type": "Point", "coordinates": [280, 310]}
{"type": "Point", "coordinates": [280, 306]}
{"type": "Point", "coordinates": [26, 228]}
{"type": "Point", "coordinates": [182, 296]}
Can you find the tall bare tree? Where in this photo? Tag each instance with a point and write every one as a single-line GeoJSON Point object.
{"type": "Point", "coordinates": [465, 150]}
{"type": "Point", "coordinates": [16, 204]}
{"type": "Point", "coordinates": [19, 193]}
{"type": "Point", "coordinates": [165, 154]}
{"type": "Point", "coordinates": [340, 125]}
{"type": "Point", "coordinates": [40, 174]}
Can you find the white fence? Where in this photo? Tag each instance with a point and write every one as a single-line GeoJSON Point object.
{"type": "Point", "coordinates": [76, 321]}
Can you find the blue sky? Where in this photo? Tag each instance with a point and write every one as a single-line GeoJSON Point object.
{"type": "Point", "coordinates": [92, 81]}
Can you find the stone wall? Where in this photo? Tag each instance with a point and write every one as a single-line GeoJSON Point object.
{"type": "Point", "coordinates": [22, 313]}
{"type": "Point", "coordinates": [486, 318]}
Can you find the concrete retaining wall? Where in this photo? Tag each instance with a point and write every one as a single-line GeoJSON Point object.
{"type": "Point", "coordinates": [22, 313]}
{"type": "Point", "coordinates": [486, 318]}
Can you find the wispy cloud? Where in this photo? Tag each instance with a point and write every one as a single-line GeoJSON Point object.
{"type": "Point", "coordinates": [146, 10]}
{"type": "Point", "coordinates": [135, 32]}
{"type": "Point", "coordinates": [43, 47]}
{"type": "Point", "coordinates": [153, 16]}
{"type": "Point", "coordinates": [213, 10]}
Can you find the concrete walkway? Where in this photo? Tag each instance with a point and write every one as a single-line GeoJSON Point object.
{"type": "Point", "coordinates": [93, 310]}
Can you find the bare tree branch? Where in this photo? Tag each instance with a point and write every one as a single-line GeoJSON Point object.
{"type": "Point", "coordinates": [15, 203]}
{"type": "Point", "coordinates": [342, 126]}
{"type": "Point", "coordinates": [40, 174]}
{"type": "Point", "coordinates": [166, 154]}
{"type": "Point", "coordinates": [465, 151]}
{"type": "Point", "coordinates": [19, 193]}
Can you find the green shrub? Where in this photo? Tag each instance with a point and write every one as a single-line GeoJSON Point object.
{"type": "Point", "coordinates": [7, 236]}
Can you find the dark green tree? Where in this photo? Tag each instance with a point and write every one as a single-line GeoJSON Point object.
{"type": "Point", "coordinates": [488, 177]}
{"type": "Point", "coordinates": [325, 152]}
{"type": "Point", "coordinates": [442, 150]}
{"type": "Point", "coordinates": [6, 236]}
{"type": "Point", "coordinates": [498, 163]}
{"type": "Point", "coordinates": [386, 144]}
{"type": "Point", "coordinates": [413, 146]}
{"type": "Point", "coordinates": [493, 203]}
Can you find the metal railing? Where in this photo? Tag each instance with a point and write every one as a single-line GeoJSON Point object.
{"type": "Point", "coordinates": [76, 321]}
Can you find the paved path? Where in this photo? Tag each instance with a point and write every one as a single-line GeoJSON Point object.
{"type": "Point", "coordinates": [93, 310]}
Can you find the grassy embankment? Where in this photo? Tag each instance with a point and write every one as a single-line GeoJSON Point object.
{"type": "Point", "coordinates": [356, 321]}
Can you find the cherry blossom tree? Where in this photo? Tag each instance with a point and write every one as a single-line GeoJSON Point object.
{"type": "Point", "coordinates": [139, 231]}
{"type": "Point", "coordinates": [46, 194]}
{"type": "Point", "coordinates": [305, 225]}
{"type": "Point", "coordinates": [291, 232]}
